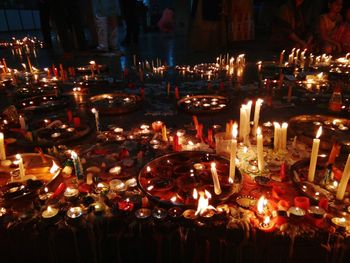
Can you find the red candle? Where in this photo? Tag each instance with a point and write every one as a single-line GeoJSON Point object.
{"type": "Point", "coordinates": [59, 190]}
{"type": "Point", "coordinates": [125, 205]}
{"type": "Point", "coordinates": [302, 202]}
{"type": "Point", "coordinates": [157, 126]}
{"type": "Point", "coordinates": [76, 122]}
{"type": "Point", "coordinates": [195, 121]}
{"type": "Point", "coordinates": [334, 153]}
{"type": "Point", "coordinates": [176, 145]}
{"type": "Point", "coordinates": [222, 86]}
{"type": "Point", "coordinates": [69, 116]}
{"type": "Point", "coordinates": [210, 136]}
{"type": "Point", "coordinates": [323, 202]}
{"type": "Point", "coordinates": [142, 92]}
{"type": "Point", "coordinates": [177, 96]}
{"type": "Point", "coordinates": [283, 171]}
{"type": "Point", "coordinates": [199, 134]}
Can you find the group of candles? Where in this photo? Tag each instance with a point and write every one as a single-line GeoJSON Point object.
{"type": "Point", "coordinates": [280, 136]}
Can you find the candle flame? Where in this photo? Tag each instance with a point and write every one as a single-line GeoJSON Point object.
{"type": "Point", "coordinates": [230, 180]}
{"type": "Point", "coordinates": [148, 169]}
{"type": "Point", "coordinates": [173, 199]}
{"type": "Point", "coordinates": [49, 209]}
{"type": "Point", "coordinates": [258, 131]}
{"type": "Point", "coordinates": [285, 125]}
{"type": "Point", "coordinates": [195, 194]}
{"type": "Point", "coordinates": [203, 203]}
{"type": "Point", "coordinates": [234, 130]}
{"type": "Point", "coordinates": [266, 220]}
{"type": "Point", "coordinates": [213, 166]}
{"type": "Point", "coordinates": [92, 62]}
{"type": "Point", "coordinates": [73, 154]}
{"type": "Point", "coordinates": [93, 110]}
{"type": "Point", "coordinates": [18, 156]}
{"type": "Point", "coordinates": [277, 125]}
{"type": "Point", "coordinates": [319, 132]}
{"type": "Point", "coordinates": [54, 168]}
{"type": "Point", "coordinates": [46, 189]}
{"type": "Point", "coordinates": [262, 202]}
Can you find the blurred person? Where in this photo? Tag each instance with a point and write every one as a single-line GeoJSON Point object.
{"type": "Point", "coordinates": [67, 17]}
{"type": "Point", "coordinates": [344, 32]}
{"type": "Point", "coordinates": [167, 21]}
{"type": "Point", "coordinates": [106, 19]}
{"type": "Point", "coordinates": [130, 13]}
{"type": "Point", "coordinates": [289, 28]}
{"type": "Point", "coordinates": [329, 34]}
{"type": "Point", "coordinates": [44, 12]}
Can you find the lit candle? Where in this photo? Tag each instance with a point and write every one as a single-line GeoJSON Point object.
{"type": "Point", "coordinates": [92, 68]}
{"type": "Point", "coordinates": [50, 212]}
{"type": "Point", "coordinates": [242, 122]}
{"type": "Point", "coordinates": [276, 135]}
{"type": "Point", "coordinates": [21, 166]}
{"type": "Point", "coordinates": [97, 121]}
{"type": "Point", "coordinates": [22, 122]}
{"type": "Point", "coordinates": [2, 147]}
{"type": "Point", "coordinates": [214, 174]}
{"type": "Point", "coordinates": [164, 133]}
{"type": "Point", "coordinates": [233, 152]}
{"type": "Point", "coordinates": [248, 110]}
{"type": "Point", "coordinates": [257, 114]}
{"type": "Point", "coordinates": [282, 57]}
{"type": "Point", "coordinates": [344, 180]}
{"type": "Point", "coordinates": [314, 153]}
{"type": "Point", "coordinates": [260, 149]}
{"type": "Point", "coordinates": [284, 135]}
{"type": "Point", "coordinates": [77, 165]}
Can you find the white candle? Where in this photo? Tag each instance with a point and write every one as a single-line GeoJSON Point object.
{"type": "Point", "coordinates": [21, 166]}
{"type": "Point", "coordinates": [282, 57]}
{"type": "Point", "coordinates": [257, 114]}
{"type": "Point", "coordinates": [97, 121]}
{"type": "Point", "coordinates": [242, 122]}
{"type": "Point", "coordinates": [276, 136]}
{"type": "Point", "coordinates": [49, 212]}
{"type": "Point", "coordinates": [214, 174]}
{"type": "Point", "coordinates": [2, 147]}
{"type": "Point", "coordinates": [92, 68]}
{"type": "Point", "coordinates": [344, 180]}
{"type": "Point", "coordinates": [314, 153]}
{"type": "Point", "coordinates": [248, 110]}
{"type": "Point", "coordinates": [22, 122]}
{"type": "Point", "coordinates": [233, 153]}
{"type": "Point", "coordinates": [260, 149]}
{"type": "Point", "coordinates": [284, 135]}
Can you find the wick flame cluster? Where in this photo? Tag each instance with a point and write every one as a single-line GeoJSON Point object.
{"type": "Point", "coordinates": [203, 201]}
{"type": "Point", "coordinates": [261, 205]}
{"type": "Point", "coordinates": [54, 168]}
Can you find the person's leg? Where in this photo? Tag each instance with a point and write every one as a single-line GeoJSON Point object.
{"type": "Point", "coordinates": [113, 36]}
{"type": "Point", "coordinates": [74, 13]}
{"type": "Point", "coordinates": [102, 32]}
{"type": "Point", "coordinates": [44, 11]}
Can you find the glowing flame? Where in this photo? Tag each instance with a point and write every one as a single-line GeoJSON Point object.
{"type": "Point", "coordinates": [49, 209]}
{"type": "Point", "coordinates": [18, 157]}
{"type": "Point", "coordinates": [266, 220]}
{"type": "Point", "coordinates": [93, 110]}
{"type": "Point", "coordinates": [258, 131]}
{"type": "Point", "coordinates": [173, 199]}
{"type": "Point", "coordinates": [46, 189]}
{"type": "Point", "coordinates": [277, 125]}
{"type": "Point", "coordinates": [190, 143]}
{"type": "Point", "coordinates": [149, 188]}
{"type": "Point", "coordinates": [148, 169]}
{"type": "Point", "coordinates": [203, 203]}
{"type": "Point", "coordinates": [195, 194]}
{"type": "Point", "coordinates": [54, 168]}
{"type": "Point", "coordinates": [234, 130]}
{"type": "Point", "coordinates": [230, 180]}
{"type": "Point", "coordinates": [261, 205]}
{"type": "Point", "coordinates": [213, 166]}
{"type": "Point", "coordinates": [319, 132]}
{"type": "Point", "coordinates": [284, 125]}
{"type": "Point", "coordinates": [92, 62]}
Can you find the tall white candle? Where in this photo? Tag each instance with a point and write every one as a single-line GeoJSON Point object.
{"type": "Point", "coordinates": [214, 174]}
{"type": "Point", "coordinates": [257, 114]}
{"type": "Point", "coordinates": [242, 122]}
{"type": "Point", "coordinates": [233, 152]}
{"type": "Point", "coordinates": [20, 166]}
{"type": "Point", "coordinates": [97, 119]}
{"type": "Point", "coordinates": [22, 122]}
{"type": "Point", "coordinates": [313, 157]}
{"type": "Point", "coordinates": [284, 135]}
{"type": "Point", "coordinates": [248, 110]}
{"type": "Point", "coordinates": [260, 149]}
{"type": "Point", "coordinates": [344, 180]}
{"type": "Point", "coordinates": [2, 147]}
{"type": "Point", "coordinates": [276, 136]}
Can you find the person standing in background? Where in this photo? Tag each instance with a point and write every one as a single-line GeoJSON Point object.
{"type": "Point", "coordinates": [44, 11]}
{"type": "Point", "coordinates": [329, 28]}
{"type": "Point", "coordinates": [131, 16]}
{"type": "Point", "coordinates": [67, 17]}
{"type": "Point", "coordinates": [106, 18]}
